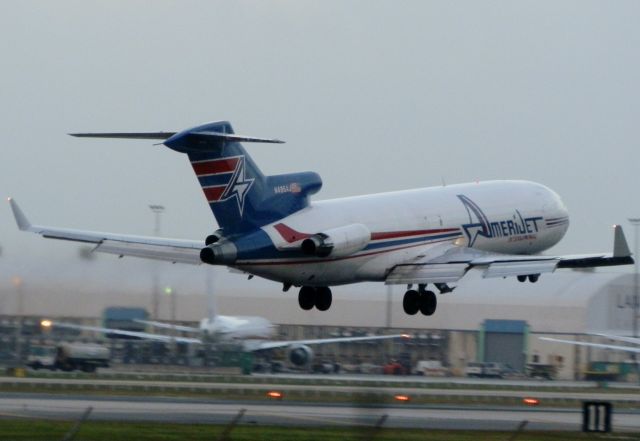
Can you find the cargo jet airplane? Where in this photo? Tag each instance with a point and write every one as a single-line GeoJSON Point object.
{"type": "Point", "coordinates": [253, 333]}
{"type": "Point", "coordinates": [269, 227]}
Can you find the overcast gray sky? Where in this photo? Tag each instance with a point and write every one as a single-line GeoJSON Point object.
{"type": "Point", "coordinates": [374, 96]}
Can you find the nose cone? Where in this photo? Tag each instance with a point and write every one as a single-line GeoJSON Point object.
{"type": "Point", "coordinates": [556, 206]}
{"type": "Point", "coordinates": [556, 216]}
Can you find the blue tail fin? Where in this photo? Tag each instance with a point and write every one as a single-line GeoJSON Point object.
{"type": "Point", "coordinates": [240, 196]}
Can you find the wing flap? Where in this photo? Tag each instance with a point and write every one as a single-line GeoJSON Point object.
{"type": "Point", "coordinates": [426, 273]}
{"type": "Point", "coordinates": [506, 269]}
{"type": "Point", "coordinates": [150, 251]}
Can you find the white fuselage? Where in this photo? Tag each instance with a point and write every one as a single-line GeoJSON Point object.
{"type": "Point", "coordinates": [227, 327]}
{"type": "Point", "coordinates": [511, 217]}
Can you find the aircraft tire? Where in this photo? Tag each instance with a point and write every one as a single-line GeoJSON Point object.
{"type": "Point", "coordinates": [522, 278]}
{"type": "Point", "coordinates": [307, 297]}
{"type": "Point", "coordinates": [323, 298]}
{"type": "Point", "coordinates": [428, 303]}
{"type": "Point", "coordinates": [533, 278]}
{"type": "Point", "coordinates": [411, 302]}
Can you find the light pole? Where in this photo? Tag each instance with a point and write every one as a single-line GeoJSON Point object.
{"type": "Point", "coordinates": [155, 296]}
{"type": "Point", "coordinates": [635, 221]}
{"type": "Point", "coordinates": [18, 283]}
{"type": "Point", "coordinates": [169, 291]}
{"type": "Point", "coordinates": [172, 295]}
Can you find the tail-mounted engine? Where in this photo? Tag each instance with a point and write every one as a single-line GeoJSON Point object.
{"type": "Point", "coordinates": [213, 238]}
{"type": "Point", "coordinates": [337, 242]}
{"type": "Point", "coordinates": [222, 252]}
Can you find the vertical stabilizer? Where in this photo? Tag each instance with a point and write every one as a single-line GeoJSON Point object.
{"type": "Point", "coordinates": [240, 196]}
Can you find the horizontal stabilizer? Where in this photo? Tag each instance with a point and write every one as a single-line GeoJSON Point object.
{"type": "Point", "coordinates": [212, 136]}
{"type": "Point", "coordinates": [126, 135]}
{"type": "Point", "coordinates": [232, 137]}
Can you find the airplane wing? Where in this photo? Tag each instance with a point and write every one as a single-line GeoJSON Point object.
{"type": "Point", "coordinates": [593, 345]}
{"type": "Point", "coordinates": [250, 346]}
{"type": "Point", "coordinates": [164, 325]}
{"type": "Point", "coordinates": [142, 335]}
{"type": "Point", "coordinates": [173, 250]}
{"type": "Point", "coordinates": [446, 263]}
{"type": "Point", "coordinates": [260, 346]}
{"type": "Point", "coordinates": [634, 340]}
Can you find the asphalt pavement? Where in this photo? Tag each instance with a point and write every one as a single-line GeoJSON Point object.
{"type": "Point", "coordinates": [179, 410]}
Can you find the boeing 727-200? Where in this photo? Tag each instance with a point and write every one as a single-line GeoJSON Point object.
{"type": "Point", "coordinates": [269, 227]}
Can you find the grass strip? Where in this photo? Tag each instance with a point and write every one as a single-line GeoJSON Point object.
{"type": "Point", "coordinates": [29, 430]}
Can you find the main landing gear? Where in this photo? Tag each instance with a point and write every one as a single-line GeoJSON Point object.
{"type": "Point", "coordinates": [310, 296]}
{"type": "Point", "coordinates": [533, 278]}
{"type": "Point", "coordinates": [423, 300]}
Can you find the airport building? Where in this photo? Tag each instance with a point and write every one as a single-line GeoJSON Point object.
{"type": "Point", "coordinates": [485, 320]}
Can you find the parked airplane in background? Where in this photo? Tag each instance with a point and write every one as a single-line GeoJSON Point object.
{"type": "Point", "coordinates": [431, 236]}
{"type": "Point", "coordinates": [253, 333]}
{"type": "Point", "coordinates": [632, 340]}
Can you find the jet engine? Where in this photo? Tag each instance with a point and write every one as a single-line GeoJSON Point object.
{"type": "Point", "coordinates": [337, 242]}
{"type": "Point", "coordinates": [222, 252]}
{"type": "Point", "coordinates": [213, 238]}
{"type": "Point", "coordinates": [300, 355]}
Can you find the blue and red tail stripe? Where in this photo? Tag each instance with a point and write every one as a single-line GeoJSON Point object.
{"type": "Point", "coordinates": [215, 166]}
{"type": "Point", "coordinates": [214, 175]}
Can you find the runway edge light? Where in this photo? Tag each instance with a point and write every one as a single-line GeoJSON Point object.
{"type": "Point", "coordinates": [276, 395]}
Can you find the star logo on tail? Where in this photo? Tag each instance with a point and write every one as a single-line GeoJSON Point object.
{"type": "Point", "coordinates": [239, 185]}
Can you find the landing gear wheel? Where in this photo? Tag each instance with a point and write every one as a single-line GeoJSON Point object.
{"type": "Point", "coordinates": [323, 298]}
{"type": "Point", "coordinates": [522, 278]}
{"type": "Point", "coordinates": [428, 303]}
{"type": "Point", "coordinates": [533, 278]}
{"type": "Point", "coordinates": [411, 302]}
{"type": "Point", "coordinates": [307, 297]}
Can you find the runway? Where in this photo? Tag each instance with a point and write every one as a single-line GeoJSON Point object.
{"type": "Point", "coordinates": [237, 388]}
{"type": "Point", "coordinates": [176, 410]}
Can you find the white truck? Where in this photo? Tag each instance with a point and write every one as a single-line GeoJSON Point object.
{"type": "Point", "coordinates": [484, 370]}
{"type": "Point", "coordinates": [431, 368]}
{"type": "Point", "coordinates": [69, 356]}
